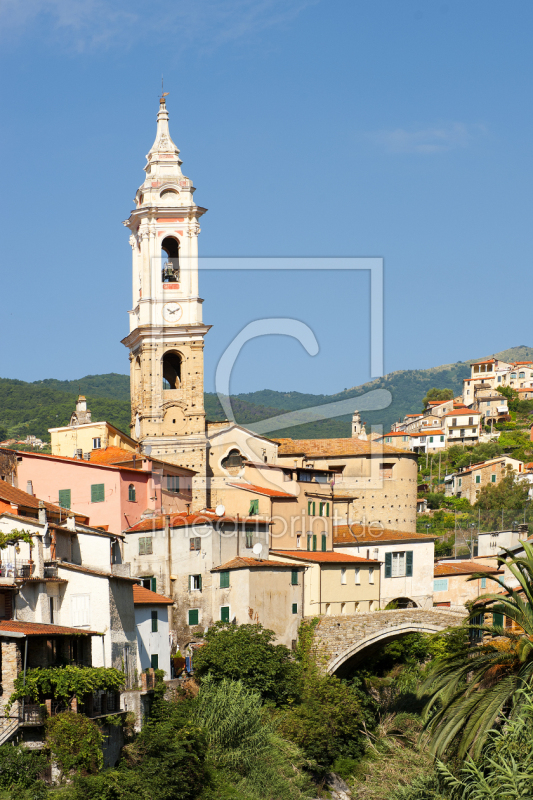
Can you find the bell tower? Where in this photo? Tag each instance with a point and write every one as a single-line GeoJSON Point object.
{"type": "Point", "coordinates": [166, 338]}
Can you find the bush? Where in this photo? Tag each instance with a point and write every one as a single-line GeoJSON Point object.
{"type": "Point", "coordinates": [75, 742]}
{"type": "Point", "coordinates": [20, 768]}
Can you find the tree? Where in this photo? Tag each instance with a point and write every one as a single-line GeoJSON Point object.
{"type": "Point", "coordinates": [509, 493]}
{"type": "Point", "coordinates": [246, 653]}
{"type": "Point", "coordinates": [437, 394]}
{"type": "Point", "coordinates": [473, 687]}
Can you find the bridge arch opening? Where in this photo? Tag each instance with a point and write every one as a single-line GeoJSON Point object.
{"type": "Point", "coordinates": [400, 602]}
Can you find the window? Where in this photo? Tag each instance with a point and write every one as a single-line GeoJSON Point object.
{"type": "Point", "coordinates": [195, 543]}
{"type": "Point", "coordinates": [324, 542]}
{"type": "Point", "coordinates": [193, 616]}
{"type": "Point", "coordinates": [513, 376]}
{"type": "Point", "coordinates": [442, 438]}
{"type": "Point", "coordinates": [499, 378]}
{"type": "Point", "coordinates": [234, 459]}
{"type": "Point", "coordinates": [478, 478]}
{"type": "Point", "coordinates": [324, 509]}
{"type": "Point", "coordinates": [224, 579]}
{"type": "Point", "coordinates": [97, 493]}
{"type": "Point", "coordinates": [483, 583]}
{"type": "Point", "coordinates": [154, 621]}
{"type": "Point", "coordinates": [521, 375]}
{"type": "Point", "coordinates": [493, 478]}
{"type": "Point", "coordinates": [254, 508]}
{"type": "Point", "coordinates": [299, 540]}
{"type": "Point", "coordinates": [460, 481]}
{"type": "Point", "coordinates": [145, 546]}
{"type": "Point", "coordinates": [149, 583]}
{"type": "Point", "coordinates": [97, 443]}
{"type": "Point", "coordinates": [431, 439]}
{"type": "Point", "coordinates": [371, 575]}
{"type": "Point", "coordinates": [295, 608]}
{"type": "Point", "coordinates": [357, 576]}
{"type": "Point", "coordinates": [173, 483]}
{"type": "Point", "coordinates": [343, 576]}
{"type": "Point", "coordinates": [64, 498]}
{"type": "Point", "coordinates": [314, 542]}
{"type": "Point", "coordinates": [154, 661]}
{"type": "Point", "coordinates": [385, 470]}
{"type": "Point", "coordinates": [80, 606]}
{"type": "Point", "coordinates": [195, 583]}
{"type": "Point", "coordinates": [399, 565]}
{"type": "Point", "coordinates": [224, 613]}
{"type": "Point", "coordinates": [462, 432]}
{"type": "Point", "coordinates": [131, 493]}
{"type": "Point", "coordinates": [454, 422]}
{"type": "Point", "coordinates": [294, 577]}
{"type": "Point", "coordinates": [311, 508]}
{"type": "Point", "coordinates": [440, 585]}
{"type": "Point", "coordinates": [470, 420]}
{"type": "Point", "coordinates": [249, 534]}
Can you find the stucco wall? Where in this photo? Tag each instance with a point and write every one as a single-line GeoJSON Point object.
{"type": "Point", "coordinates": [152, 642]}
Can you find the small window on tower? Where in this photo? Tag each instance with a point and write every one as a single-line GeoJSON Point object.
{"type": "Point", "coordinates": [170, 259]}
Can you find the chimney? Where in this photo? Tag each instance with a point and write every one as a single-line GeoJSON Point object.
{"type": "Point", "coordinates": [42, 512]}
{"type": "Point", "coordinates": [71, 523]}
{"type": "Point", "coordinates": [29, 487]}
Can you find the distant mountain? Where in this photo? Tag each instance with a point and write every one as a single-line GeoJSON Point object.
{"type": "Point", "coordinates": [34, 407]}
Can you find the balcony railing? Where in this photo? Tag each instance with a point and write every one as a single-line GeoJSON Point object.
{"type": "Point", "coordinates": [17, 569]}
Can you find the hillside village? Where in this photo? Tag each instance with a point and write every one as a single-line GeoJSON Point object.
{"type": "Point", "coordinates": [122, 549]}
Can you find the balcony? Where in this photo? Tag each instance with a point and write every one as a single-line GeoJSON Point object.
{"type": "Point", "coordinates": [19, 569]}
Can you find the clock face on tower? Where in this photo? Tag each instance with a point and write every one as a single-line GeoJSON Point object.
{"type": "Point", "coordinates": [172, 312]}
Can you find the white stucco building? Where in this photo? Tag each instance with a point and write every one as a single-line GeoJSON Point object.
{"type": "Point", "coordinates": [152, 628]}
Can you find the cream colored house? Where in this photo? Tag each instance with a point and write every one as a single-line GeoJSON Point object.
{"type": "Point", "coordinates": [81, 436]}
{"type": "Point", "coordinates": [469, 482]}
{"type": "Point", "coordinates": [406, 561]}
{"type": "Point", "coordinates": [453, 584]}
{"type": "Point", "coordinates": [461, 426]}
{"type": "Point", "coordinates": [335, 584]}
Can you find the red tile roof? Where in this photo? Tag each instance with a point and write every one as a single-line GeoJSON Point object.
{"type": "Point", "coordinates": [10, 494]}
{"type": "Point", "coordinates": [429, 432]}
{"type": "Point", "coordinates": [145, 597]}
{"type": "Point", "coordinates": [250, 487]}
{"type": "Point", "coordinates": [395, 433]}
{"type": "Point", "coordinates": [183, 520]}
{"type": "Point", "coordinates": [323, 558]}
{"type": "Point", "coordinates": [79, 461]}
{"type": "Point", "coordinates": [41, 629]}
{"type": "Point", "coordinates": [462, 412]}
{"type": "Point", "coordinates": [464, 568]}
{"type": "Point", "coordinates": [356, 534]}
{"type": "Point", "coordinates": [330, 448]}
{"type": "Point", "coordinates": [244, 562]}
{"type": "Point", "coordinates": [114, 455]}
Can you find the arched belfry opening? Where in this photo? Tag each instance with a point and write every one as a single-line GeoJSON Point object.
{"type": "Point", "coordinates": [171, 370]}
{"type": "Point", "coordinates": [170, 258]}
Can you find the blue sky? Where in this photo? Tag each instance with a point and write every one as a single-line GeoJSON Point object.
{"type": "Point", "coordinates": [310, 128]}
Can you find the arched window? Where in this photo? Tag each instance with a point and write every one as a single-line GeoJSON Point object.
{"type": "Point", "coordinates": [131, 493]}
{"type": "Point", "coordinates": [170, 258]}
{"type": "Point", "coordinates": [171, 370]}
{"type": "Point", "coordinates": [521, 374]}
{"type": "Point", "coordinates": [513, 376]}
{"type": "Point", "coordinates": [233, 459]}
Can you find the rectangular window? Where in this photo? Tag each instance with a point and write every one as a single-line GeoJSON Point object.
{"type": "Point", "coordinates": [154, 661]}
{"type": "Point", "coordinates": [195, 543]}
{"type": "Point", "coordinates": [224, 613]}
{"type": "Point", "coordinates": [324, 542]}
{"type": "Point", "coordinates": [314, 542]}
{"type": "Point", "coordinates": [97, 443]}
{"type": "Point", "coordinates": [343, 576]}
{"type": "Point", "coordinates": [145, 545]}
{"type": "Point", "coordinates": [294, 577]}
{"type": "Point", "coordinates": [97, 493]}
{"type": "Point", "coordinates": [371, 575]}
{"type": "Point", "coordinates": [295, 608]}
{"type": "Point", "coordinates": [195, 583]}
{"type": "Point", "coordinates": [431, 439]}
{"type": "Point", "coordinates": [64, 498]}
{"type": "Point", "coordinates": [454, 422]}
{"type": "Point", "coordinates": [254, 508]}
{"type": "Point", "coordinates": [173, 483]}
{"type": "Point", "coordinates": [493, 478]}
{"type": "Point", "coordinates": [149, 583]}
{"type": "Point", "coordinates": [478, 478]}
{"type": "Point", "coordinates": [442, 438]}
{"type": "Point", "coordinates": [224, 579]}
{"type": "Point", "coordinates": [497, 618]}
{"type": "Point", "coordinates": [440, 585]}
{"type": "Point", "coordinates": [80, 605]}
{"type": "Point", "coordinates": [385, 470]}
{"type": "Point", "coordinates": [154, 621]}
{"type": "Point", "coordinates": [193, 616]}
{"type": "Point", "coordinates": [470, 420]}
{"type": "Point", "coordinates": [309, 541]}
{"type": "Point", "coordinates": [249, 534]}
{"type": "Point", "coordinates": [311, 508]}
{"type": "Point", "coordinates": [357, 576]}
{"type": "Point", "coordinates": [483, 583]}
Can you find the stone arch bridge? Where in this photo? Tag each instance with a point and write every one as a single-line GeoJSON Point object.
{"type": "Point", "coordinates": [346, 641]}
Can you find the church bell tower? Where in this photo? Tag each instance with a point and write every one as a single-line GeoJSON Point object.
{"type": "Point", "coordinates": [166, 338]}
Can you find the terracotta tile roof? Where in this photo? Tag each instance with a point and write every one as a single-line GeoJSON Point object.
{"type": "Point", "coordinates": [250, 487]}
{"type": "Point", "coordinates": [518, 363]}
{"type": "Point", "coordinates": [464, 568]}
{"type": "Point", "coordinates": [323, 558]}
{"type": "Point", "coordinates": [41, 629]}
{"type": "Point", "coordinates": [145, 597]}
{"type": "Point", "coordinates": [414, 415]}
{"type": "Point", "coordinates": [114, 455]}
{"type": "Point", "coordinates": [394, 433]}
{"type": "Point", "coordinates": [429, 432]}
{"type": "Point", "coordinates": [243, 562]}
{"type": "Point", "coordinates": [79, 461]}
{"type": "Point", "coordinates": [356, 534]}
{"type": "Point", "coordinates": [183, 520]}
{"type": "Point", "coordinates": [462, 412]}
{"type": "Point", "coordinates": [316, 448]}
{"type": "Point", "coordinates": [11, 494]}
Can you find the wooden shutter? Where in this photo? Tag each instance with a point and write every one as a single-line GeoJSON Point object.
{"type": "Point", "coordinates": [294, 577]}
{"type": "Point", "coordinates": [154, 621]}
{"type": "Point", "coordinates": [314, 542]}
{"type": "Point", "coordinates": [224, 579]}
{"type": "Point", "coordinates": [497, 618]}
{"type": "Point", "coordinates": [193, 616]}
{"type": "Point", "coordinates": [324, 542]}
{"type": "Point", "coordinates": [97, 493]}
{"type": "Point", "coordinates": [153, 581]}
{"type": "Point", "coordinates": [295, 608]}
{"type": "Point", "coordinates": [388, 565]}
{"type": "Point", "coordinates": [200, 582]}
{"type": "Point", "coordinates": [314, 508]}
{"type": "Point", "coordinates": [142, 545]}
{"type": "Point", "coordinates": [309, 507]}
{"type": "Point", "coordinates": [409, 564]}
{"type": "Point", "coordinates": [309, 540]}
{"type": "Point", "coordinates": [327, 509]}
{"type": "Point", "coordinates": [154, 661]}
{"type": "Point", "coordinates": [224, 613]}
{"type": "Point", "coordinates": [64, 498]}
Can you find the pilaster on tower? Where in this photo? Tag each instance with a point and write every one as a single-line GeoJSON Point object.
{"type": "Point", "coordinates": [166, 336]}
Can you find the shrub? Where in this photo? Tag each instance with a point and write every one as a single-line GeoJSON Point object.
{"type": "Point", "coordinates": [75, 742]}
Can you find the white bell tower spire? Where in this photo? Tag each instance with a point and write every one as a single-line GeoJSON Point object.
{"type": "Point", "coordinates": [166, 330]}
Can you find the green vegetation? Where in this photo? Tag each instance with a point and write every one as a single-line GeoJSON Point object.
{"type": "Point", "coordinates": [437, 394]}
{"type": "Point", "coordinates": [75, 743]}
{"type": "Point", "coordinates": [65, 683]}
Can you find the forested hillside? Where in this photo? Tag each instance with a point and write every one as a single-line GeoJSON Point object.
{"type": "Point", "coordinates": [34, 407]}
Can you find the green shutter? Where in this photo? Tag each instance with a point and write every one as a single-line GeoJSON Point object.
{"type": "Point", "coordinates": [254, 508]}
{"type": "Point", "coordinates": [97, 493]}
{"type": "Point", "coordinates": [153, 582]}
{"type": "Point", "coordinates": [309, 506]}
{"type": "Point", "coordinates": [309, 538]}
{"type": "Point", "coordinates": [327, 509]}
{"type": "Point", "coordinates": [483, 583]}
{"type": "Point", "coordinates": [154, 661]}
{"type": "Point", "coordinates": [409, 564]}
{"type": "Point", "coordinates": [324, 542]}
{"type": "Point", "coordinates": [224, 613]}
{"type": "Point", "coordinates": [314, 542]}
{"type": "Point", "coordinates": [154, 621]}
{"type": "Point", "coordinates": [497, 619]}
{"type": "Point", "coordinates": [200, 582]}
{"type": "Point", "coordinates": [224, 579]}
{"type": "Point", "coordinates": [388, 565]}
{"type": "Point", "coordinates": [294, 577]}
{"type": "Point", "coordinates": [295, 608]}
{"type": "Point", "coordinates": [193, 616]}
{"type": "Point", "coordinates": [314, 508]}
{"type": "Point", "coordinates": [64, 498]}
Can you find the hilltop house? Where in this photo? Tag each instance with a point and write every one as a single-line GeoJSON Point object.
{"type": "Point", "coordinates": [468, 482]}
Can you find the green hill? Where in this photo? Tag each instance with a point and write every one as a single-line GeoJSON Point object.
{"type": "Point", "coordinates": [34, 407]}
